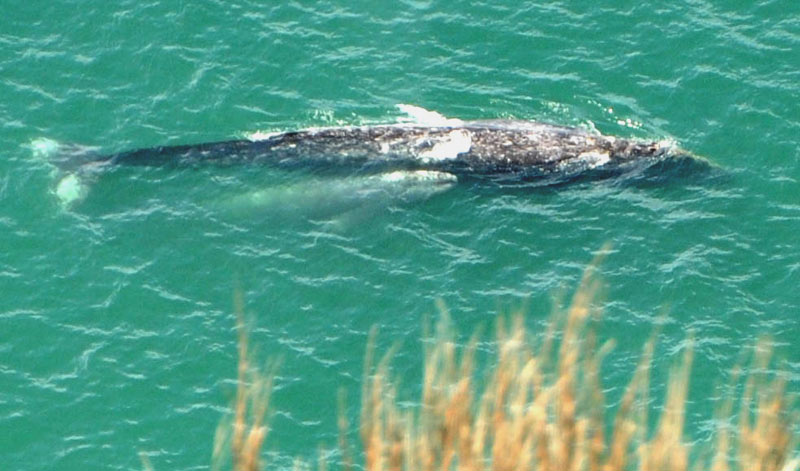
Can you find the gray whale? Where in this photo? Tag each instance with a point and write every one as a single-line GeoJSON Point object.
{"type": "Point", "coordinates": [497, 149]}
{"type": "Point", "coordinates": [503, 148]}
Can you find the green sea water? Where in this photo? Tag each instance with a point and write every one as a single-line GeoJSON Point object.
{"type": "Point", "coordinates": [116, 327]}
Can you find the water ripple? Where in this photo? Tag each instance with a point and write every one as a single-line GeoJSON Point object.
{"type": "Point", "coordinates": [116, 315]}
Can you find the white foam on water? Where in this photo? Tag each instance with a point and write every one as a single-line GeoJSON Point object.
{"type": "Point", "coordinates": [260, 136]}
{"type": "Point", "coordinates": [426, 117]}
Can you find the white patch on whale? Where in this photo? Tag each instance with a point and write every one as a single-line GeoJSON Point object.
{"type": "Point", "coordinates": [417, 176]}
{"type": "Point", "coordinates": [666, 145]}
{"type": "Point", "coordinates": [594, 159]}
{"type": "Point", "coordinates": [456, 142]}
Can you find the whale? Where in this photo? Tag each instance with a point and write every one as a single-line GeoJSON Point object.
{"type": "Point", "coordinates": [501, 150]}
{"type": "Point", "coordinates": [334, 201]}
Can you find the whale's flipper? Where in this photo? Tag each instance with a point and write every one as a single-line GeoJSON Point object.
{"type": "Point", "coordinates": [71, 189]}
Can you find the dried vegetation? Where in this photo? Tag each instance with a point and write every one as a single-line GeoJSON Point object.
{"type": "Point", "coordinates": [535, 408]}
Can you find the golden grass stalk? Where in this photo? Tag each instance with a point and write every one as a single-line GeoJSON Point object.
{"type": "Point", "coordinates": [241, 438]}
{"type": "Point", "coordinates": [537, 409]}
{"type": "Point", "coordinates": [540, 410]}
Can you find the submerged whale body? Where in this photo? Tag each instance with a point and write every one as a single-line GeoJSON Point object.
{"type": "Point", "coordinates": [496, 149]}
{"type": "Point", "coordinates": [336, 199]}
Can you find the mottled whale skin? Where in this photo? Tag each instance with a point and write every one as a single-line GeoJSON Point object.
{"type": "Point", "coordinates": [519, 148]}
{"type": "Point", "coordinates": [501, 150]}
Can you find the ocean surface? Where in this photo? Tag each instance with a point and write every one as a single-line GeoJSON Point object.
{"type": "Point", "coordinates": [117, 331]}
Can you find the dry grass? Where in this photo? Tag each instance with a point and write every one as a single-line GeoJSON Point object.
{"type": "Point", "coordinates": [543, 409]}
{"type": "Point", "coordinates": [537, 408]}
{"type": "Point", "coordinates": [240, 439]}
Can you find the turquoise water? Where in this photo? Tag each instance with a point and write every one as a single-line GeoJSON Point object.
{"type": "Point", "coordinates": [116, 328]}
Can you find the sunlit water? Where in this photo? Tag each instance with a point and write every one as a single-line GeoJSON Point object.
{"type": "Point", "coordinates": [116, 327]}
